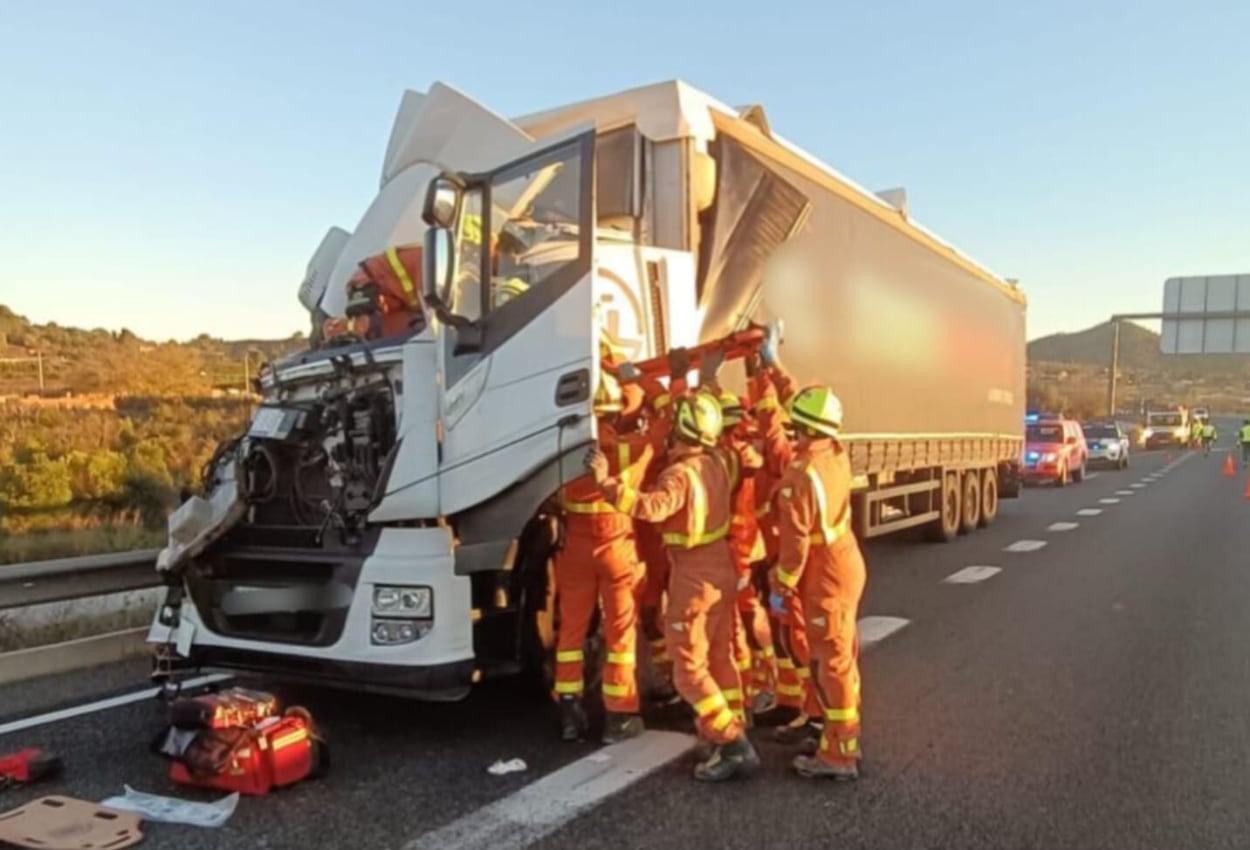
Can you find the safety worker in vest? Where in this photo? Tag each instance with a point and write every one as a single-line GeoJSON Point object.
{"type": "Point", "coordinates": [770, 385]}
{"type": "Point", "coordinates": [598, 563]}
{"type": "Point", "coordinates": [1195, 433]}
{"type": "Point", "coordinates": [692, 503]}
{"type": "Point", "coordinates": [1243, 439]}
{"type": "Point", "coordinates": [821, 563]}
{"type": "Point", "coordinates": [1208, 436]}
{"type": "Point", "coordinates": [753, 641]}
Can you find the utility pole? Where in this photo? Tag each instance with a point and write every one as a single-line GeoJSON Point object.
{"type": "Point", "coordinates": [1115, 366]}
{"type": "Point", "coordinates": [39, 359]}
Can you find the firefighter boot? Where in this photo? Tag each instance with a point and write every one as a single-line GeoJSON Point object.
{"type": "Point", "coordinates": [737, 758]}
{"type": "Point", "coordinates": [620, 727]}
{"type": "Point", "coordinates": [572, 718]}
{"type": "Point", "coordinates": [810, 767]}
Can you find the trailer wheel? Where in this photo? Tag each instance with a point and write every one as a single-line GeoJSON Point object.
{"type": "Point", "coordinates": [946, 527]}
{"type": "Point", "coordinates": [970, 502]}
{"type": "Point", "coordinates": [989, 497]}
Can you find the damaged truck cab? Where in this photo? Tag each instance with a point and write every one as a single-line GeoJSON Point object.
{"type": "Point", "coordinates": [388, 518]}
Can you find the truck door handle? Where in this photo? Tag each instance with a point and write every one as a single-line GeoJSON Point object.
{"type": "Point", "coordinates": [573, 387]}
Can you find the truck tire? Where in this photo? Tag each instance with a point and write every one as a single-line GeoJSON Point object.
{"type": "Point", "coordinates": [538, 629]}
{"type": "Point", "coordinates": [970, 502]}
{"type": "Point", "coordinates": [945, 528]}
{"type": "Point", "coordinates": [989, 497]}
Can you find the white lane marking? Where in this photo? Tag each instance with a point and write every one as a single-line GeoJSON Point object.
{"type": "Point", "coordinates": [1063, 526]}
{"type": "Point", "coordinates": [1025, 546]}
{"type": "Point", "coordinates": [1137, 486]}
{"type": "Point", "coordinates": [1125, 493]}
{"type": "Point", "coordinates": [971, 575]}
{"type": "Point", "coordinates": [1109, 501]}
{"type": "Point", "coordinates": [1090, 476]}
{"type": "Point", "coordinates": [1089, 512]}
{"type": "Point", "coordinates": [876, 629]}
{"type": "Point", "coordinates": [525, 817]}
{"type": "Point", "coordinates": [102, 705]}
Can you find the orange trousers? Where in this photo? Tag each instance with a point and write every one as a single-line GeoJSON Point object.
{"type": "Point", "coordinates": [794, 672]}
{"type": "Point", "coordinates": [699, 624]}
{"type": "Point", "coordinates": [655, 559]}
{"type": "Point", "coordinates": [755, 646]}
{"type": "Point", "coordinates": [590, 569]}
{"type": "Point", "coordinates": [831, 590]}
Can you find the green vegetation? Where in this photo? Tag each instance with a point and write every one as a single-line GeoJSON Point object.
{"type": "Point", "coordinates": [96, 460]}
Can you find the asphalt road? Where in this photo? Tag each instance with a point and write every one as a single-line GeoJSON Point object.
{"type": "Point", "coordinates": [1094, 692]}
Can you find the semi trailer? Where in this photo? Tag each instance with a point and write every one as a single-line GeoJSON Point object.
{"type": "Point", "coordinates": [387, 519]}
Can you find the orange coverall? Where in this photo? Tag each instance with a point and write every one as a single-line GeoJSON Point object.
{"type": "Point", "coordinates": [599, 560]}
{"type": "Point", "coordinates": [770, 387]}
{"type": "Point", "coordinates": [691, 504]}
{"type": "Point", "coordinates": [821, 562]}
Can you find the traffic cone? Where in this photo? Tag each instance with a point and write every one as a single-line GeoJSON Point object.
{"type": "Point", "coordinates": [1229, 470]}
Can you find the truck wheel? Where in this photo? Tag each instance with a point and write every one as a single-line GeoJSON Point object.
{"type": "Point", "coordinates": [970, 502]}
{"type": "Point", "coordinates": [946, 527]}
{"type": "Point", "coordinates": [989, 497]}
{"type": "Point", "coordinates": [538, 629]}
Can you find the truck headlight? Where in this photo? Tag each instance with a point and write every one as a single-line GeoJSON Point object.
{"type": "Point", "coordinates": [389, 601]}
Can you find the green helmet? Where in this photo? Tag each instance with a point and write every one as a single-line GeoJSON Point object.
{"type": "Point", "coordinates": [817, 409]}
{"type": "Point", "coordinates": [698, 419]}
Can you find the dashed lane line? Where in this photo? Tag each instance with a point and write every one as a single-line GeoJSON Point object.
{"type": "Point", "coordinates": [1125, 493]}
{"type": "Point", "coordinates": [101, 705]}
{"type": "Point", "coordinates": [526, 816]}
{"type": "Point", "coordinates": [971, 575]}
{"type": "Point", "coordinates": [1025, 546]}
{"type": "Point", "coordinates": [1089, 512]}
{"type": "Point", "coordinates": [1137, 486]}
{"type": "Point", "coordinates": [876, 629]}
{"type": "Point", "coordinates": [1108, 501]}
{"type": "Point", "coordinates": [1063, 526]}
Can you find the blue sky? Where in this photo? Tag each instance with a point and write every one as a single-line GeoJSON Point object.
{"type": "Point", "coordinates": [169, 167]}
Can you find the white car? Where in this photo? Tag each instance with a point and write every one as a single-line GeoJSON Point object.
{"type": "Point", "coordinates": [1107, 442]}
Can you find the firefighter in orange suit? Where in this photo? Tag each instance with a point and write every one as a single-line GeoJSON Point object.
{"type": "Point", "coordinates": [821, 564]}
{"type": "Point", "coordinates": [771, 385]}
{"type": "Point", "coordinates": [753, 639]}
{"type": "Point", "coordinates": [598, 561]}
{"type": "Point", "coordinates": [691, 502]}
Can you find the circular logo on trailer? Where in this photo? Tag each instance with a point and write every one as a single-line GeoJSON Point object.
{"type": "Point", "coordinates": [621, 315]}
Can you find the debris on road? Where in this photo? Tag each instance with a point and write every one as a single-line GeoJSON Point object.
{"type": "Point", "coordinates": [63, 823]}
{"type": "Point", "coordinates": [154, 807]}
{"type": "Point", "coordinates": [501, 767]}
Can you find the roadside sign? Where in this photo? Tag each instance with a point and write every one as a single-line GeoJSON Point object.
{"type": "Point", "coordinates": [1209, 329]}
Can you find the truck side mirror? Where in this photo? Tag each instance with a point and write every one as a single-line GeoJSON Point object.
{"type": "Point", "coordinates": [442, 201]}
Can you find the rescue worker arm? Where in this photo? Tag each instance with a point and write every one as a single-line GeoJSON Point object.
{"type": "Point", "coordinates": [795, 520]}
{"type": "Point", "coordinates": [655, 505]}
{"type": "Point", "coordinates": [777, 450]}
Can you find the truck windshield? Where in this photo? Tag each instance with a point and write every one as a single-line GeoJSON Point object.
{"type": "Point", "coordinates": [1045, 433]}
{"type": "Point", "coordinates": [1164, 420]}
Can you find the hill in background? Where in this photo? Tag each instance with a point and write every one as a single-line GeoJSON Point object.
{"type": "Point", "coordinates": [1139, 352]}
{"type": "Point", "coordinates": [119, 363]}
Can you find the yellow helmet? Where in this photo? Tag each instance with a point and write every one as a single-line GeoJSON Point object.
{"type": "Point", "coordinates": [698, 419]}
{"type": "Point", "coordinates": [817, 409]}
{"type": "Point", "coordinates": [608, 395]}
{"type": "Point", "coordinates": [731, 409]}
{"type": "Point", "coordinates": [511, 288]}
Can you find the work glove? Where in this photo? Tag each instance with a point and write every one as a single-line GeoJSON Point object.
{"type": "Point", "coordinates": [597, 466]}
{"type": "Point", "coordinates": [709, 365]}
{"type": "Point", "coordinates": [772, 341]}
{"type": "Point", "coordinates": [628, 372]}
{"type": "Point", "coordinates": [679, 362]}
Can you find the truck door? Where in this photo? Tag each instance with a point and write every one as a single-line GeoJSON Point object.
{"type": "Point", "coordinates": [516, 402]}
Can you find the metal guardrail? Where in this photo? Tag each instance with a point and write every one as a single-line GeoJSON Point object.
{"type": "Point", "coordinates": [65, 579]}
